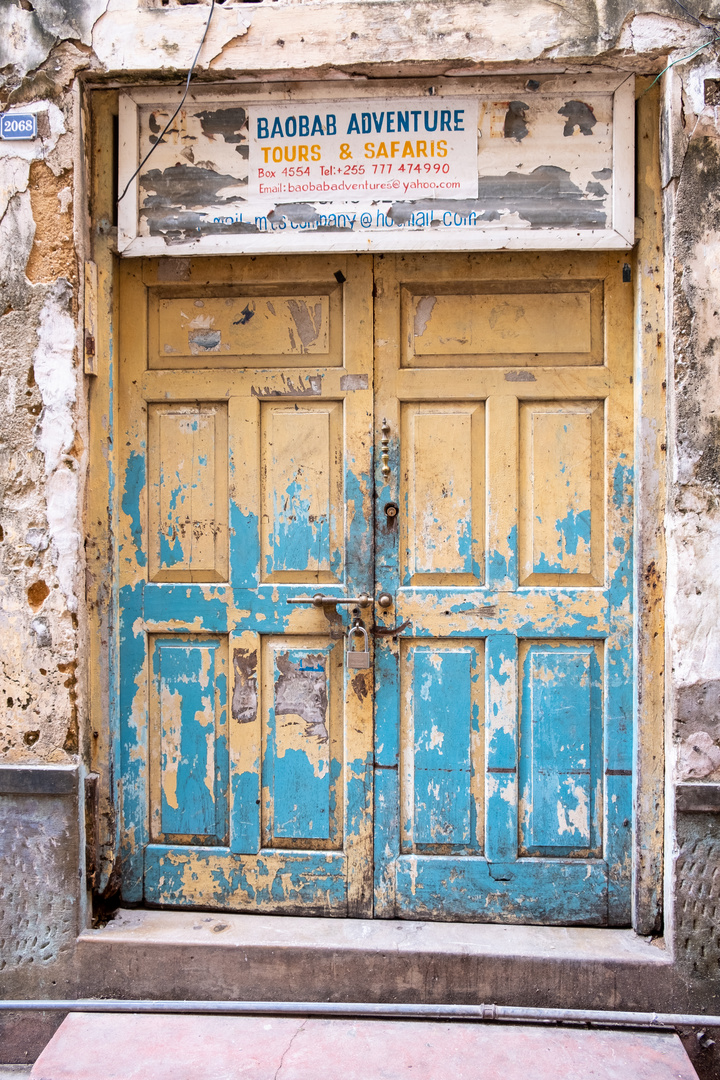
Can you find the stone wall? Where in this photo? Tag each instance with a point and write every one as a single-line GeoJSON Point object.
{"type": "Point", "coordinates": [691, 169]}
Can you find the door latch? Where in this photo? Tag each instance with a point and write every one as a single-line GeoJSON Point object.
{"type": "Point", "coordinates": [357, 658]}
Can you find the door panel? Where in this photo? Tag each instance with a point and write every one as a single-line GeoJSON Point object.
{"type": "Point", "coordinates": [560, 748]}
{"type": "Point", "coordinates": [188, 492]}
{"type": "Point", "coordinates": [561, 520]}
{"type": "Point", "coordinates": [302, 492]}
{"type": "Point", "coordinates": [488, 323]}
{"type": "Point", "coordinates": [442, 529]}
{"type": "Point", "coordinates": [505, 382]}
{"type": "Point", "coordinates": [228, 327]}
{"type": "Point", "coordinates": [188, 740]}
{"type": "Point", "coordinates": [303, 742]}
{"type": "Point", "coordinates": [441, 741]}
{"type": "Point", "coordinates": [246, 747]}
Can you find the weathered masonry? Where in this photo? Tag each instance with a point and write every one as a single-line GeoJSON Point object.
{"type": "Point", "coordinates": [402, 318]}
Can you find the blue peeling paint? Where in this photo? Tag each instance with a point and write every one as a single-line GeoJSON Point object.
{"type": "Point", "coordinates": [298, 542]}
{"type": "Point", "coordinates": [170, 554]}
{"type": "Point", "coordinates": [571, 530]}
{"type": "Point", "coordinates": [561, 748]}
{"type": "Point", "coordinates": [500, 567]}
{"type": "Point", "coordinates": [134, 486]}
{"type": "Point", "coordinates": [245, 824]}
{"type": "Point", "coordinates": [133, 742]}
{"type": "Point", "coordinates": [193, 813]}
{"type": "Point", "coordinates": [244, 548]}
{"type": "Point", "coordinates": [442, 717]}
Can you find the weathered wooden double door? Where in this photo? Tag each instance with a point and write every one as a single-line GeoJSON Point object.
{"type": "Point", "coordinates": [480, 768]}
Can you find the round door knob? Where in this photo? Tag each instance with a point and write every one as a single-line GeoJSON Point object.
{"type": "Point", "coordinates": [385, 600]}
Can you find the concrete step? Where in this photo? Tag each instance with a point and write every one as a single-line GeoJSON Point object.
{"type": "Point", "coordinates": [191, 955]}
{"type": "Point", "coordinates": [114, 1046]}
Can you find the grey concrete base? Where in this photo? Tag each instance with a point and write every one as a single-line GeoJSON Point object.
{"type": "Point", "coordinates": [40, 874]}
{"type": "Point", "coordinates": [176, 955]}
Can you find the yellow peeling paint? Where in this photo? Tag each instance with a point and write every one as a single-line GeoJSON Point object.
{"type": "Point", "coordinates": [171, 712]}
{"type": "Point", "coordinates": [577, 819]}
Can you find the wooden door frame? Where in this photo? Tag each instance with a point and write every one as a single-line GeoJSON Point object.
{"type": "Point", "coordinates": [645, 264]}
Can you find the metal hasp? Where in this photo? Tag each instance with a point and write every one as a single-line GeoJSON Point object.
{"type": "Point", "coordinates": [320, 600]}
{"type": "Point", "coordinates": [358, 658]}
{"type": "Point", "coordinates": [385, 454]}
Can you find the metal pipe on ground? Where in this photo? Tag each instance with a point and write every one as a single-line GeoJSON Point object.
{"type": "Point", "coordinates": [385, 1011]}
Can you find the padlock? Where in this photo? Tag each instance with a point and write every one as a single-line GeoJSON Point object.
{"type": "Point", "coordinates": [355, 658]}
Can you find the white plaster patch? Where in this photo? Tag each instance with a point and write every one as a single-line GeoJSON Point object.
{"type": "Point", "coordinates": [62, 514]}
{"type": "Point", "coordinates": [37, 539]}
{"type": "Point", "coordinates": [693, 611]}
{"type": "Point", "coordinates": [17, 232]}
{"type": "Point", "coordinates": [22, 46]}
{"type": "Point", "coordinates": [65, 199]}
{"type": "Point", "coordinates": [55, 376]}
{"type": "Point", "coordinates": [14, 176]}
{"type": "Point", "coordinates": [648, 33]}
{"type": "Point", "coordinates": [694, 84]}
{"type": "Point", "coordinates": [165, 39]}
{"type": "Point", "coordinates": [56, 379]}
{"type": "Point", "coordinates": [698, 757]}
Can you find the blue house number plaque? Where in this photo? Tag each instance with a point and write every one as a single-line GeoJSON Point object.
{"type": "Point", "coordinates": [18, 126]}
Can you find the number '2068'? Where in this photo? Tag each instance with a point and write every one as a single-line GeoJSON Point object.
{"type": "Point", "coordinates": [17, 126]}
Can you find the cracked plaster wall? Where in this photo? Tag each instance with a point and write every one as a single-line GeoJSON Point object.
{"type": "Point", "coordinates": [41, 447]}
{"type": "Point", "coordinates": [692, 175]}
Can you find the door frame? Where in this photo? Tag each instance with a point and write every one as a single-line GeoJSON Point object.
{"type": "Point", "coordinates": [646, 266]}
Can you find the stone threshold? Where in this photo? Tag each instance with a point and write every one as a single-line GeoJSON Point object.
{"type": "Point", "coordinates": [201, 929]}
{"type": "Point", "coordinates": [181, 954]}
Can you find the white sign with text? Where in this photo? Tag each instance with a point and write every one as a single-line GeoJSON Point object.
{"type": "Point", "coordinates": [351, 151]}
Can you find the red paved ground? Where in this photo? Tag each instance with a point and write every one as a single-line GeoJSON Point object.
{"type": "Point", "coordinates": [96, 1046]}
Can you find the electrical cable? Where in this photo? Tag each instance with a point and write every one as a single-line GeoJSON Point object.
{"type": "Point", "coordinates": [687, 11]}
{"type": "Point", "coordinates": [182, 102]}
{"type": "Point", "coordinates": [678, 61]}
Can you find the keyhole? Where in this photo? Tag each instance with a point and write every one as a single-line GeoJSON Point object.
{"type": "Point", "coordinates": [391, 513]}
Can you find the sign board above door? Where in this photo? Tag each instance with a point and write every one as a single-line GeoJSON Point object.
{"type": "Point", "coordinates": [403, 165]}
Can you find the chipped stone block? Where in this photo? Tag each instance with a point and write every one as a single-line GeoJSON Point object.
{"type": "Point", "coordinates": [39, 868]}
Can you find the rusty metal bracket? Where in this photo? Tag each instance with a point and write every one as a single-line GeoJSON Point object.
{"type": "Point", "coordinates": [390, 631]}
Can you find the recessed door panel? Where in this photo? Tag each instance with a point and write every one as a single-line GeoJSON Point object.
{"type": "Point", "coordinates": [443, 470]}
{"type": "Point", "coordinates": [188, 739]}
{"type": "Point", "coordinates": [503, 322]}
{"type": "Point", "coordinates": [302, 480]}
{"type": "Point", "coordinates": [442, 739]}
{"type": "Point", "coordinates": [561, 737]}
{"type": "Point", "coordinates": [562, 498]}
{"type": "Point", "coordinates": [303, 743]}
{"type": "Point", "coordinates": [188, 492]}
{"type": "Point", "coordinates": [255, 327]}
